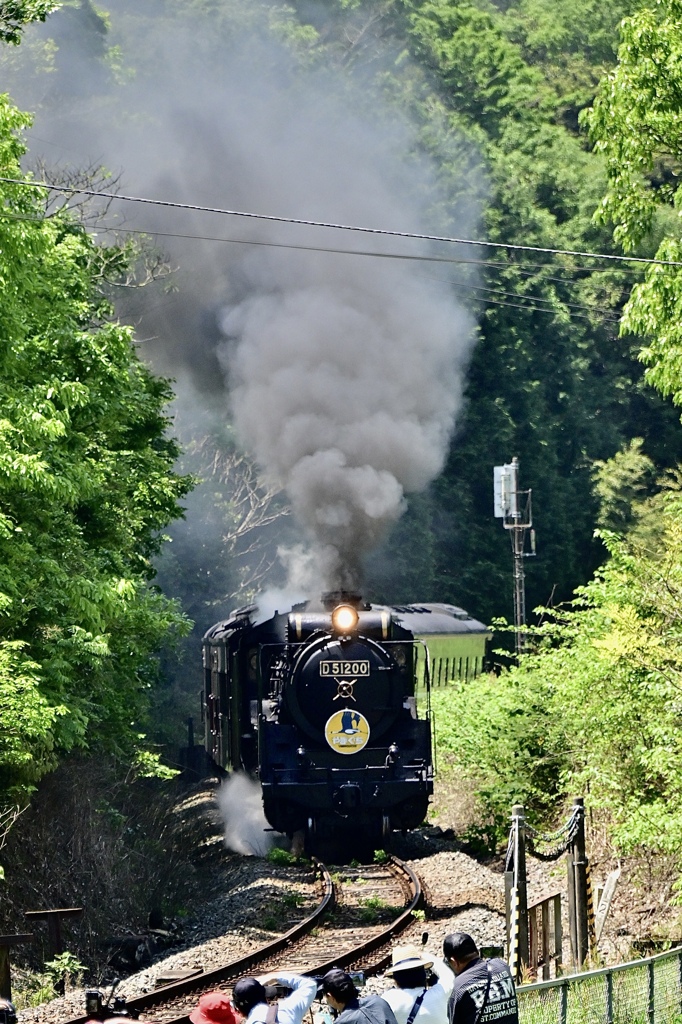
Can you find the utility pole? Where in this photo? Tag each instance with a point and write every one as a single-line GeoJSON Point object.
{"type": "Point", "coordinates": [513, 507]}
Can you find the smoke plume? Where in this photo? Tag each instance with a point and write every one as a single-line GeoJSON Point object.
{"type": "Point", "coordinates": [241, 808]}
{"type": "Point", "coordinates": [346, 387]}
{"type": "Point", "coordinates": [343, 373]}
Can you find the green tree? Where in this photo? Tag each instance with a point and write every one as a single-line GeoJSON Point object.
{"type": "Point", "coordinates": [594, 708]}
{"type": "Point", "coordinates": [86, 486]}
{"type": "Point", "coordinates": [621, 483]}
{"type": "Point", "coordinates": [494, 90]}
{"type": "Point", "coordinates": [635, 123]}
{"type": "Point", "coordinates": [15, 14]}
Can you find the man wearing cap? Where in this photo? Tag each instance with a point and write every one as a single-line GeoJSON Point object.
{"type": "Point", "coordinates": [250, 997]}
{"type": "Point", "coordinates": [343, 997]}
{"type": "Point", "coordinates": [484, 990]}
{"type": "Point", "coordinates": [213, 1008]}
{"type": "Point", "coordinates": [413, 1000]}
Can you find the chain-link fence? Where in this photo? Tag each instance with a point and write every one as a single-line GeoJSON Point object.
{"type": "Point", "coordinates": [643, 992]}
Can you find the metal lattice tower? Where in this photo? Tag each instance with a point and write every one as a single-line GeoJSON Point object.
{"type": "Point", "coordinates": [514, 508]}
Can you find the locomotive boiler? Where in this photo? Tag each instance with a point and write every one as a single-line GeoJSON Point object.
{"type": "Point", "coordinates": [321, 707]}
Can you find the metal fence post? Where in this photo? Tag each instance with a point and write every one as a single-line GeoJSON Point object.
{"type": "Point", "coordinates": [679, 981]}
{"type": "Point", "coordinates": [508, 907]}
{"type": "Point", "coordinates": [651, 1006]}
{"type": "Point", "coordinates": [570, 879]}
{"type": "Point", "coordinates": [563, 1008]}
{"type": "Point", "coordinates": [609, 997]}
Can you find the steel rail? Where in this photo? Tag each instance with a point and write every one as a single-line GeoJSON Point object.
{"type": "Point", "coordinates": [351, 958]}
{"type": "Point", "coordinates": [356, 956]}
{"type": "Point", "coordinates": [241, 966]}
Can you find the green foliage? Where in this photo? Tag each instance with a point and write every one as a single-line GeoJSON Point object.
{"type": "Point", "coordinates": [620, 483]}
{"type": "Point", "coordinates": [86, 485]}
{"type": "Point", "coordinates": [279, 856]}
{"type": "Point", "coordinates": [15, 14]}
{"type": "Point", "coordinates": [556, 387]}
{"type": "Point", "coordinates": [31, 988]}
{"type": "Point", "coordinates": [65, 966]}
{"type": "Point", "coordinates": [374, 909]}
{"type": "Point", "coordinates": [635, 123]}
{"type": "Point", "coordinates": [292, 900]}
{"type": "Point", "coordinates": [147, 764]}
{"type": "Point", "coordinates": [497, 734]}
{"type": "Point", "coordinates": [595, 707]}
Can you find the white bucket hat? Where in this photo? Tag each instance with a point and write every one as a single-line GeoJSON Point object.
{"type": "Point", "coordinates": [406, 958]}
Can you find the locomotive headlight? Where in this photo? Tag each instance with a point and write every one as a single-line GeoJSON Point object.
{"type": "Point", "coordinates": [344, 618]}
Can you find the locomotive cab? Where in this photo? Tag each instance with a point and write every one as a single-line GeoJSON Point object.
{"type": "Point", "coordinates": [321, 707]}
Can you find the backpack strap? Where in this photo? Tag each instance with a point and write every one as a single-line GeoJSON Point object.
{"type": "Point", "coordinates": [271, 1015]}
{"type": "Point", "coordinates": [415, 1007]}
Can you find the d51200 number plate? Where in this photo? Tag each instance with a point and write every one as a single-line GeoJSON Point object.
{"type": "Point", "coordinates": [344, 668]}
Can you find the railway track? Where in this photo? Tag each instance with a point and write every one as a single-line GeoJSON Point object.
{"type": "Point", "coordinates": [360, 911]}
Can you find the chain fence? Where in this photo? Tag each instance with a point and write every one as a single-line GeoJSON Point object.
{"type": "Point", "coordinates": [642, 992]}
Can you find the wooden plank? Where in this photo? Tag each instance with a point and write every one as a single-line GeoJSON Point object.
{"type": "Point", "coordinates": [547, 896]}
{"type": "Point", "coordinates": [533, 939]}
{"type": "Point", "coordinates": [558, 936]}
{"type": "Point", "coordinates": [545, 940]}
{"type": "Point", "coordinates": [47, 914]}
{"type": "Point", "coordinates": [5, 977]}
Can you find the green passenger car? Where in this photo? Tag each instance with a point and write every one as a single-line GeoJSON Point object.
{"type": "Point", "coordinates": [456, 643]}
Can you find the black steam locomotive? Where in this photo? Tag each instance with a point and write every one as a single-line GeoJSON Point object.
{"type": "Point", "coordinates": [320, 707]}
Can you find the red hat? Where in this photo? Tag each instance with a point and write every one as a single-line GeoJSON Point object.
{"type": "Point", "coordinates": [213, 1008]}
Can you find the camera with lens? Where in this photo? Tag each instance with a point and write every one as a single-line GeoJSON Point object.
{"type": "Point", "coordinates": [99, 1008]}
{"type": "Point", "coordinates": [8, 1015]}
{"type": "Point", "coordinates": [277, 992]}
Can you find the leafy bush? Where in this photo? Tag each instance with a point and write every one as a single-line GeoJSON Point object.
{"type": "Point", "coordinates": [279, 856]}
{"type": "Point", "coordinates": [499, 736]}
{"type": "Point", "coordinates": [595, 707]}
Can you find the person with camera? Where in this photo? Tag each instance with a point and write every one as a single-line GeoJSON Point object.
{"type": "Point", "coordinates": [484, 990]}
{"type": "Point", "coordinates": [414, 999]}
{"type": "Point", "coordinates": [343, 997]}
{"type": "Point", "coordinates": [252, 998]}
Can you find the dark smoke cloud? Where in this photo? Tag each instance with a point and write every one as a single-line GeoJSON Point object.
{"type": "Point", "coordinates": [343, 374]}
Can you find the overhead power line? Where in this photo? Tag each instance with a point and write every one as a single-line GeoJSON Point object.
{"type": "Point", "coordinates": [338, 227]}
{"type": "Point", "coordinates": [530, 302]}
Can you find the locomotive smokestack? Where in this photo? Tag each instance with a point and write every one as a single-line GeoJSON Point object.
{"type": "Point", "coordinates": [333, 598]}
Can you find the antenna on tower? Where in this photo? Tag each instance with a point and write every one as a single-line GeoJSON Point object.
{"type": "Point", "coordinates": [513, 507]}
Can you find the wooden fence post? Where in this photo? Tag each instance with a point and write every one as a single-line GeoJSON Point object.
{"type": "Point", "coordinates": [6, 941]}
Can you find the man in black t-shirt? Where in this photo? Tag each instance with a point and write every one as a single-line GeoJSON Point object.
{"type": "Point", "coordinates": [484, 991]}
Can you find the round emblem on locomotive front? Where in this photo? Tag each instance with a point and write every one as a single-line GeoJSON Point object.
{"type": "Point", "coordinates": [347, 731]}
